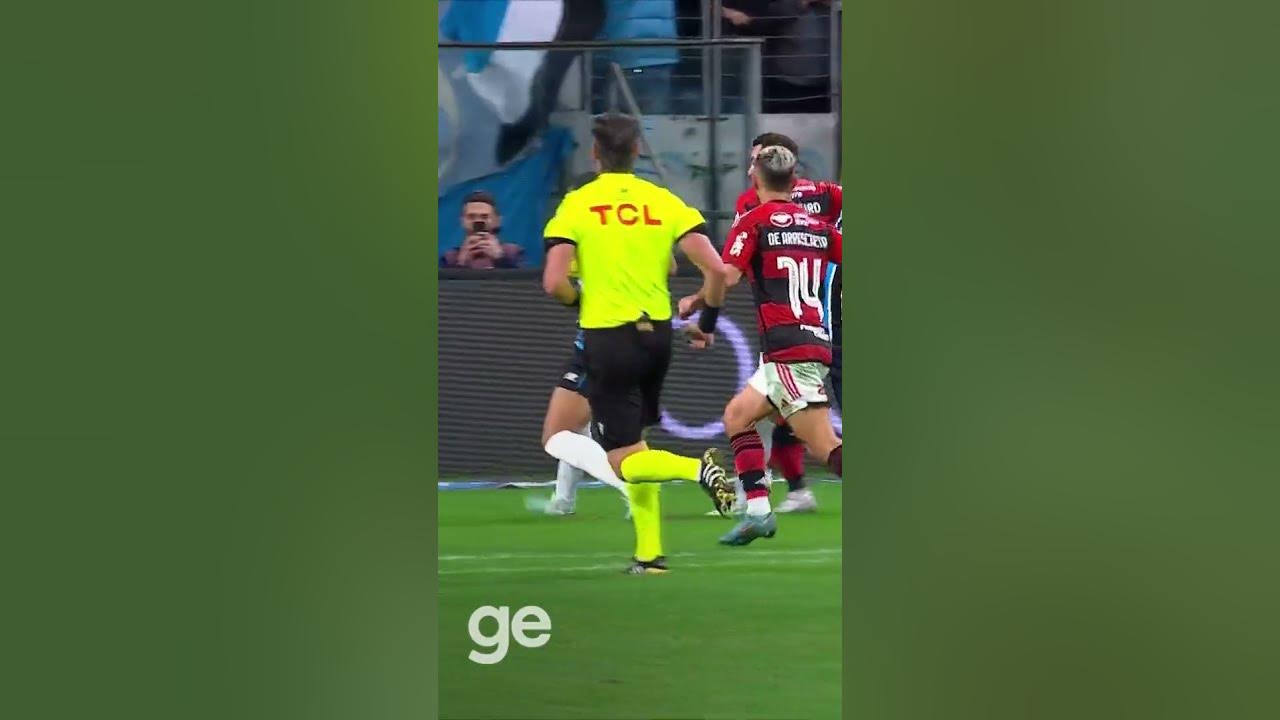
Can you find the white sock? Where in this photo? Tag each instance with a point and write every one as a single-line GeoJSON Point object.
{"type": "Point", "coordinates": [759, 506]}
{"type": "Point", "coordinates": [567, 479]}
{"type": "Point", "coordinates": [765, 428]}
{"type": "Point", "coordinates": [585, 454]}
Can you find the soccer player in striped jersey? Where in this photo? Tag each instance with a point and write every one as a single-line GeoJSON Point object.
{"type": "Point", "coordinates": [824, 201]}
{"type": "Point", "coordinates": [784, 253]}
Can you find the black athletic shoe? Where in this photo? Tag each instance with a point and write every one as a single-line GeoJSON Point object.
{"type": "Point", "coordinates": [715, 482]}
{"type": "Point", "coordinates": [656, 566]}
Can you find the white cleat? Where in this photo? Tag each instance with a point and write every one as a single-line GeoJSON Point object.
{"type": "Point", "coordinates": [554, 506]}
{"type": "Point", "coordinates": [799, 501]}
{"type": "Point", "coordinates": [559, 506]}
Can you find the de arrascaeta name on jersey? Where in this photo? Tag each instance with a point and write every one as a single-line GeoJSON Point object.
{"type": "Point", "coordinates": [802, 239]}
{"type": "Point", "coordinates": [775, 237]}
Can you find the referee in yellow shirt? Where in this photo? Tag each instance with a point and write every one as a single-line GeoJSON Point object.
{"type": "Point", "coordinates": [620, 230]}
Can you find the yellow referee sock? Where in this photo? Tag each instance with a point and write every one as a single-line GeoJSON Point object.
{"type": "Point", "coordinates": [645, 515]}
{"type": "Point", "coordinates": [648, 466]}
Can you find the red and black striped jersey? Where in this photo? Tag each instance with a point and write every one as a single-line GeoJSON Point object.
{"type": "Point", "coordinates": [785, 253]}
{"type": "Point", "coordinates": [822, 200]}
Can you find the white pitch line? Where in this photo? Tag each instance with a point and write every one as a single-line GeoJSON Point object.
{"type": "Point", "coordinates": [567, 556]}
{"type": "Point", "coordinates": [616, 566]}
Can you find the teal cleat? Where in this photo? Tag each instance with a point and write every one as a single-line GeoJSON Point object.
{"type": "Point", "coordinates": [751, 528]}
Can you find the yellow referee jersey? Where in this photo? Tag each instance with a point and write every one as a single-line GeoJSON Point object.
{"type": "Point", "coordinates": [624, 228]}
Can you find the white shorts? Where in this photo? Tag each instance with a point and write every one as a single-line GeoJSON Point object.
{"type": "Point", "coordinates": [792, 387]}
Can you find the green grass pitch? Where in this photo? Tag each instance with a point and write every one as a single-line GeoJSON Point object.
{"type": "Point", "coordinates": [751, 632]}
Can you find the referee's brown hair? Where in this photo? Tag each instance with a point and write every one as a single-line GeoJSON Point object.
{"type": "Point", "coordinates": [617, 142]}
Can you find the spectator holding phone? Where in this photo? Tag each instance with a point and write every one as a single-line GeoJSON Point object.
{"type": "Point", "coordinates": [481, 249]}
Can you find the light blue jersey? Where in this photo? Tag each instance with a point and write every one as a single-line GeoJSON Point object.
{"type": "Point", "coordinates": [829, 303]}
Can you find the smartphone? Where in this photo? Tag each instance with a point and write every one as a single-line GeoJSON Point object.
{"type": "Point", "coordinates": [479, 226]}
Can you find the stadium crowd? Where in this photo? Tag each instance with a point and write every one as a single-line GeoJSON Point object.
{"type": "Point", "coordinates": [795, 78]}
{"type": "Point", "coordinates": [796, 63]}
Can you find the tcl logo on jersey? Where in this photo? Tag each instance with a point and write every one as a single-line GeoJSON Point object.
{"type": "Point", "coordinates": [626, 213]}
{"type": "Point", "coordinates": [781, 219]}
{"type": "Point", "coordinates": [738, 242]}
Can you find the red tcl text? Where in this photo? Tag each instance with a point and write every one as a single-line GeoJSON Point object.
{"type": "Point", "coordinates": [626, 213]}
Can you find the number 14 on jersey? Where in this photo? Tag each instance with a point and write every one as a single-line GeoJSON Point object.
{"type": "Point", "coordinates": [805, 285]}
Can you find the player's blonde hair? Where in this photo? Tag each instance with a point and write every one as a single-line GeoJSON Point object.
{"type": "Point", "coordinates": [776, 168]}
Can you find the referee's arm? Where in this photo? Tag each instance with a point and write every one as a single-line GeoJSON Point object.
{"type": "Point", "coordinates": [560, 237]}
{"type": "Point", "coordinates": [698, 248]}
{"type": "Point", "coordinates": [555, 276]}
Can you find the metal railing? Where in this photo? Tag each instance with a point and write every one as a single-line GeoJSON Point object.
{"type": "Point", "coordinates": [712, 104]}
{"type": "Point", "coordinates": [633, 108]}
{"type": "Point", "coordinates": [711, 28]}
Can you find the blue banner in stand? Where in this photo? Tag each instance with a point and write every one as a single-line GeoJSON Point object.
{"type": "Point", "coordinates": [493, 108]}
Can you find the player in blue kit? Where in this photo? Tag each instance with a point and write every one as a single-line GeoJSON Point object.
{"type": "Point", "coordinates": [568, 410]}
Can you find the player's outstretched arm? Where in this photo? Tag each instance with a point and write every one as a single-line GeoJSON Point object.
{"type": "Point", "coordinates": [691, 304]}
{"type": "Point", "coordinates": [699, 249]}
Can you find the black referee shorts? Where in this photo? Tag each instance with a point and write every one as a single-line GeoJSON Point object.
{"type": "Point", "coordinates": [627, 366]}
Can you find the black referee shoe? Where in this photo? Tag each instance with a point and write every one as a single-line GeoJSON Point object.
{"type": "Point", "coordinates": [656, 566]}
{"type": "Point", "coordinates": [712, 478]}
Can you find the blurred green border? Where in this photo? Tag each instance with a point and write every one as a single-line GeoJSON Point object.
{"type": "Point", "coordinates": [854, 251]}
{"type": "Point", "coordinates": [217, 433]}
{"type": "Point", "coordinates": [431, 326]}
{"type": "Point", "coordinates": [1059, 351]}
